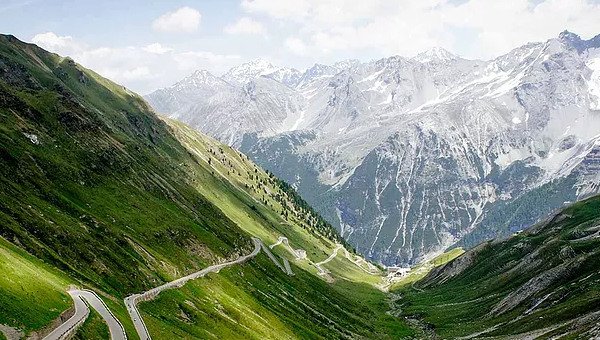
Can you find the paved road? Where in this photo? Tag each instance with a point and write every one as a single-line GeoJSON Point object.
{"type": "Point", "coordinates": [371, 268]}
{"type": "Point", "coordinates": [300, 254]}
{"type": "Point", "coordinates": [286, 265]}
{"type": "Point", "coordinates": [331, 257]}
{"type": "Point", "coordinates": [132, 301]}
{"type": "Point", "coordinates": [117, 332]}
{"type": "Point", "coordinates": [82, 311]}
{"type": "Point", "coordinates": [272, 257]}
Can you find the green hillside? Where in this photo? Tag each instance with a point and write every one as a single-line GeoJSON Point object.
{"type": "Point", "coordinates": [96, 191]}
{"type": "Point", "coordinates": [544, 282]}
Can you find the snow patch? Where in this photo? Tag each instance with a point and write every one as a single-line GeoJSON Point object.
{"type": "Point", "coordinates": [594, 83]}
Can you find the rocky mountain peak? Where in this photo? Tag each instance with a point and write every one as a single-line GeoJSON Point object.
{"type": "Point", "coordinates": [435, 54]}
{"type": "Point", "coordinates": [574, 41]}
{"type": "Point", "coordinates": [346, 64]}
{"type": "Point", "coordinates": [243, 73]}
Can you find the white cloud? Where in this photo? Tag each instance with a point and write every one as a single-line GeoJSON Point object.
{"type": "Point", "coordinates": [410, 26]}
{"type": "Point", "coordinates": [296, 45]}
{"type": "Point", "coordinates": [277, 9]}
{"type": "Point", "coordinates": [55, 43]}
{"type": "Point", "coordinates": [245, 25]}
{"type": "Point", "coordinates": [157, 48]}
{"type": "Point", "coordinates": [138, 73]}
{"type": "Point", "coordinates": [502, 26]}
{"type": "Point", "coordinates": [143, 68]}
{"type": "Point", "coordinates": [184, 19]}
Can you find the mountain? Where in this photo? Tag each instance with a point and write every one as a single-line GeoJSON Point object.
{"type": "Point", "coordinates": [246, 72]}
{"type": "Point", "coordinates": [541, 283]}
{"type": "Point", "coordinates": [101, 197]}
{"type": "Point", "coordinates": [410, 156]}
{"type": "Point", "coordinates": [435, 55]}
{"type": "Point", "coordinates": [102, 203]}
{"type": "Point", "coordinates": [287, 76]}
{"type": "Point", "coordinates": [190, 90]}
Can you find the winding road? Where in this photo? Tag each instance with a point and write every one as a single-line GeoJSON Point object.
{"type": "Point", "coordinates": [132, 301]}
{"type": "Point", "coordinates": [331, 257]}
{"type": "Point", "coordinates": [300, 254]}
{"type": "Point", "coordinates": [372, 269]}
{"type": "Point", "coordinates": [82, 299]}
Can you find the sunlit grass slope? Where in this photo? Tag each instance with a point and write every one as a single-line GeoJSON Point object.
{"type": "Point", "coordinates": [32, 293]}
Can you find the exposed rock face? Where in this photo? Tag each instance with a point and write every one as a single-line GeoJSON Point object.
{"type": "Point", "coordinates": [408, 156]}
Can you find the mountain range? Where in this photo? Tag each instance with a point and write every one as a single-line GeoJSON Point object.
{"type": "Point", "coordinates": [117, 223]}
{"type": "Point", "coordinates": [408, 157]}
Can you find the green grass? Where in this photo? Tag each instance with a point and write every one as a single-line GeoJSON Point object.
{"type": "Point", "coordinates": [258, 301]}
{"type": "Point", "coordinates": [422, 269]}
{"type": "Point", "coordinates": [31, 293]}
{"type": "Point", "coordinates": [94, 328]}
{"type": "Point", "coordinates": [118, 201]}
{"type": "Point", "coordinates": [102, 196]}
{"type": "Point", "coordinates": [225, 179]}
{"type": "Point", "coordinates": [225, 185]}
{"type": "Point", "coordinates": [467, 302]}
{"type": "Point", "coordinates": [341, 267]}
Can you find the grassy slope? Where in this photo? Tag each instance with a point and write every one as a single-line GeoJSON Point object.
{"type": "Point", "coordinates": [540, 278]}
{"type": "Point", "coordinates": [258, 301]}
{"type": "Point", "coordinates": [248, 195]}
{"type": "Point", "coordinates": [109, 196]}
{"type": "Point", "coordinates": [100, 195]}
{"type": "Point", "coordinates": [33, 293]}
{"type": "Point", "coordinates": [229, 305]}
{"type": "Point", "coordinates": [93, 328]}
{"type": "Point", "coordinates": [421, 270]}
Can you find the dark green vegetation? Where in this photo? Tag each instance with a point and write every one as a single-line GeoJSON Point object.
{"type": "Point", "coordinates": [307, 212]}
{"type": "Point", "coordinates": [93, 328]}
{"type": "Point", "coordinates": [543, 282]}
{"type": "Point", "coordinates": [98, 192]}
{"type": "Point", "coordinates": [89, 179]}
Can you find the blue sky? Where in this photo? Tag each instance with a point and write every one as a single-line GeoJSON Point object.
{"type": "Point", "coordinates": [146, 45]}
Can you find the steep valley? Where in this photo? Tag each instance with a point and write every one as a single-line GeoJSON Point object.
{"type": "Point", "coordinates": [408, 157]}
{"type": "Point", "coordinates": [105, 195]}
{"type": "Point", "coordinates": [101, 195]}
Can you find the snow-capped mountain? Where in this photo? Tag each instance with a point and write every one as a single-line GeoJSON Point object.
{"type": "Point", "coordinates": [284, 75]}
{"type": "Point", "coordinates": [245, 72]}
{"type": "Point", "coordinates": [187, 92]}
{"type": "Point", "coordinates": [409, 156]}
{"type": "Point", "coordinates": [436, 54]}
{"type": "Point", "coordinates": [240, 75]}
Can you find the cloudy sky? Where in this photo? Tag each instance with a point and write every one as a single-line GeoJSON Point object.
{"type": "Point", "coordinates": [147, 44]}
